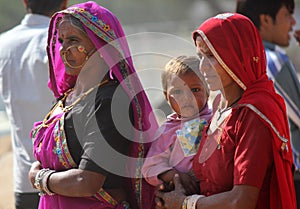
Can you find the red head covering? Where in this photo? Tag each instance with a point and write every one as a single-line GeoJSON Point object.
{"type": "Point", "coordinates": [106, 33]}
{"type": "Point", "coordinates": [236, 44]}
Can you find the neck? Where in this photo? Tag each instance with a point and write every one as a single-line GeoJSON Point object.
{"type": "Point", "coordinates": [230, 98]}
{"type": "Point", "coordinates": [88, 78]}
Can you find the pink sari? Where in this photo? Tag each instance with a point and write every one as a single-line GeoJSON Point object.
{"type": "Point", "coordinates": [105, 31]}
{"type": "Point", "coordinates": [51, 136]}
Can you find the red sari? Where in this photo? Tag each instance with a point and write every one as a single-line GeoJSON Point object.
{"type": "Point", "coordinates": [244, 60]}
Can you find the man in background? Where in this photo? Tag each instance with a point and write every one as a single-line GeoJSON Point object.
{"type": "Point", "coordinates": [274, 20]}
{"type": "Point", "coordinates": [23, 88]}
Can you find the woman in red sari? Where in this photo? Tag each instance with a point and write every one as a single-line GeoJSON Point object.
{"type": "Point", "coordinates": [90, 147]}
{"type": "Point", "coordinates": [244, 160]}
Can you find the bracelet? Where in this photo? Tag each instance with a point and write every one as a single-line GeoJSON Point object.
{"type": "Point", "coordinates": [38, 180]}
{"type": "Point", "coordinates": [184, 204]}
{"type": "Point", "coordinates": [45, 179]}
{"type": "Point", "coordinates": [192, 201]}
{"type": "Point", "coordinates": [41, 181]}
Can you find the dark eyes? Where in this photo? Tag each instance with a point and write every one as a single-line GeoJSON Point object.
{"type": "Point", "coordinates": [195, 90]}
{"type": "Point", "coordinates": [178, 91]}
{"type": "Point", "coordinates": [69, 40]}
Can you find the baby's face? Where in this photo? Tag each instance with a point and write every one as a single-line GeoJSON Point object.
{"type": "Point", "coordinates": [186, 94]}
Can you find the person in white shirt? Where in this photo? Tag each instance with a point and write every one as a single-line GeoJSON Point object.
{"type": "Point", "coordinates": [23, 88]}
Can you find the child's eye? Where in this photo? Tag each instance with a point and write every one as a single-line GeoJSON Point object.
{"type": "Point", "coordinates": [195, 89]}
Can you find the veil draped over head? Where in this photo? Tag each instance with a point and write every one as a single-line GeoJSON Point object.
{"type": "Point", "coordinates": [236, 44]}
{"type": "Point", "coordinates": [106, 33]}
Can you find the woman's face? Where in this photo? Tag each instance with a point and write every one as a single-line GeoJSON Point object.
{"type": "Point", "coordinates": [75, 47]}
{"type": "Point", "coordinates": [186, 94]}
{"type": "Point", "coordinates": [215, 76]}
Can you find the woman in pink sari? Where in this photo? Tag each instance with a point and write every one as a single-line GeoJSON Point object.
{"type": "Point", "coordinates": [90, 146]}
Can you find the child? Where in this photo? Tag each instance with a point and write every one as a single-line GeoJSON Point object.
{"type": "Point", "coordinates": [178, 138]}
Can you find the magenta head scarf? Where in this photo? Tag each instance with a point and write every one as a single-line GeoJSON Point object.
{"type": "Point", "coordinates": [106, 33]}
{"type": "Point", "coordinates": [237, 45]}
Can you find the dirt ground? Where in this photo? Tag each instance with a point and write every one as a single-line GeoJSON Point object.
{"type": "Point", "coordinates": [6, 174]}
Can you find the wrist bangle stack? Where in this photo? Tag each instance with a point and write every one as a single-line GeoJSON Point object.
{"type": "Point", "coordinates": [190, 202]}
{"type": "Point", "coordinates": [184, 204]}
{"type": "Point", "coordinates": [41, 181]}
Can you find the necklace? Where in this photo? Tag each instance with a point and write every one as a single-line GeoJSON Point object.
{"type": "Point", "coordinates": [69, 107]}
{"type": "Point", "coordinates": [60, 103]}
{"type": "Point", "coordinates": [221, 111]}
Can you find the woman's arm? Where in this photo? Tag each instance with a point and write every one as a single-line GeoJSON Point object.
{"type": "Point", "coordinates": [72, 183]}
{"type": "Point", "coordinates": [75, 182]}
{"type": "Point", "coordinates": [241, 196]}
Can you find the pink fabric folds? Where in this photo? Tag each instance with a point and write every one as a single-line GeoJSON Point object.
{"type": "Point", "coordinates": [105, 31]}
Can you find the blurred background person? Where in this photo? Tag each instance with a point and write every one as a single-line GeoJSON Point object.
{"type": "Point", "coordinates": [23, 88]}
{"type": "Point", "coordinates": [275, 21]}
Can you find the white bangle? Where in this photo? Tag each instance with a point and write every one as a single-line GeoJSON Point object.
{"type": "Point", "coordinates": [45, 180]}
{"type": "Point", "coordinates": [38, 180]}
{"type": "Point", "coordinates": [192, 201]}
{"type": "Point", "coordinates": [41, 181]}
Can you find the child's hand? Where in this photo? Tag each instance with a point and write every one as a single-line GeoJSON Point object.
{"type": "Point", "coordinates": [189, 183]}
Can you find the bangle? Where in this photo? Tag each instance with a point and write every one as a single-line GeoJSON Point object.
{"type": "Point", "coordinates": [192, 201]}
{"type": "Point", "coordinates": [45, 180]}
{"type": "Point", "coordinates": [38, 180]}
{"type": "Point", "coordinates": [184, 203]}
{"type": "Point", "coordinates": [41, 180]}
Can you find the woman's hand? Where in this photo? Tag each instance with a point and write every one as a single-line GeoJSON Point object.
{"type": "Point", "coordinates": [170, 200]}
{"type": "Point", "coordinates": [35, 167]}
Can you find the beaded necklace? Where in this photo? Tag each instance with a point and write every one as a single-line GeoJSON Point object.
{"type": "Point", "coordinates": [65, 109]}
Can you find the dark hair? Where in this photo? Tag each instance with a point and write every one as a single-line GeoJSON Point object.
{"type": "Point", "coordinates": [254, 8]}
{"type": "Point", "coordinates": [44, 7]}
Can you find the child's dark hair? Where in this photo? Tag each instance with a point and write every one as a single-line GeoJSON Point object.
{"type": "Point", "coordinates": [179, 66]}
{"type": "Point", "coordinates": [254, 8]}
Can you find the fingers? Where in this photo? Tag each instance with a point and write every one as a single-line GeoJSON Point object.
{"type": "Point", "coordinates": [159, 194]}
{"type": "Point", "coordinates": [159, 202]}
{"type": "Point", "coordinates": [35, 166]}
{"type": "Point", "coordinates": [177, 183]}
